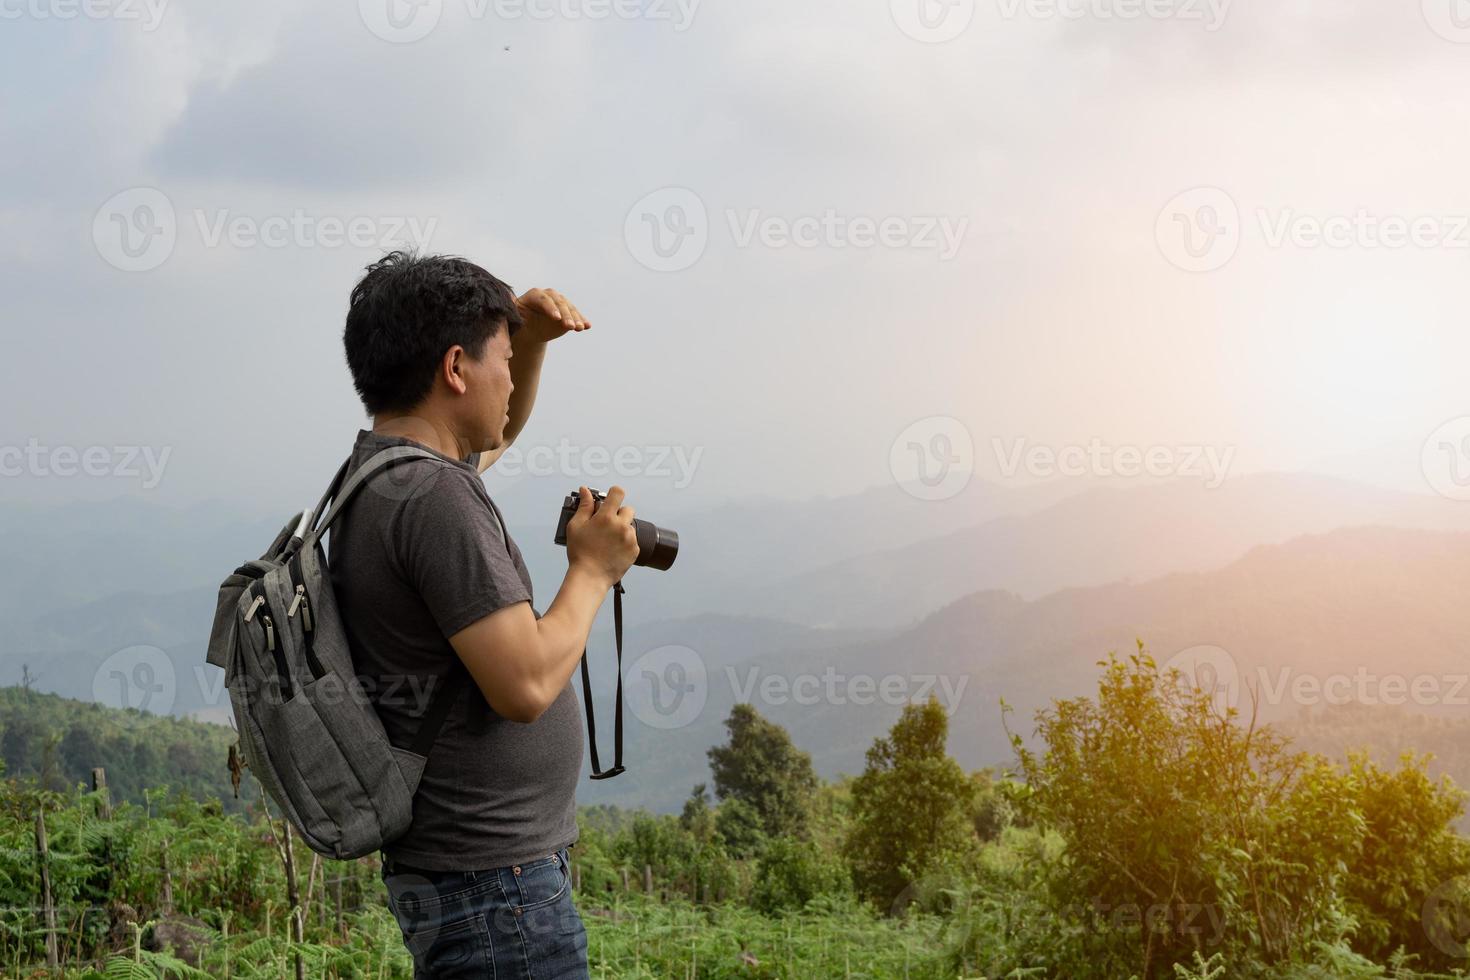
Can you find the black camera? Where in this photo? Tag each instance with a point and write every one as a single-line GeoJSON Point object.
{"type": "Point", "coordinates": [657, 546]}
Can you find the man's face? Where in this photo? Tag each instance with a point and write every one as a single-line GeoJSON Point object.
{"type": "Point", "coordinates": [489, 388]}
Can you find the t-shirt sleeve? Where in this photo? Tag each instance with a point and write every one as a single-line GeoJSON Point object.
{"type": "Point", "coordinates": [453, 551]}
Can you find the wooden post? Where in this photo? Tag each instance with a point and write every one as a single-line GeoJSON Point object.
{"type": "Point", "coordinates": [167, 903]}
{"type": "Point", "coordinates": [648, 878]}
{"type": "Point", "coordinates": [576, 877]}
{"type": "Point", "coordinates": [48, 911]}
{"type": "Point", "coordinates": [293, 895]}
{"type": "Point", "coordinates": [99, 785]}
{"type": "Point", "coordinates": [625, 878]}
{"type": "Point", "coordinates": [337, 898]}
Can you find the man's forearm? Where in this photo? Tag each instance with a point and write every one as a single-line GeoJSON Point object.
{"type": "Point", "coordinates": [564, 628]}
{"type": "Point", "coordinates": [525, 374]}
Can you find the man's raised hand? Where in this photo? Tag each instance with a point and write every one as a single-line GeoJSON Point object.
{"type": "Point", "coordinates": [547, 314]}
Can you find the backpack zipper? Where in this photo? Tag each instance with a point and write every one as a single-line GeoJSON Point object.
{"type": "Point", "coordinates": [268, 623]}
{"type": "Point", "coordinates": [308, 626]}
{"type": "Point", "coordinates": [255, 604]}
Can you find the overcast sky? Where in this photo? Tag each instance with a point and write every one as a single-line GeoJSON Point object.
{"type": "Point", "coordinates": [823, 242]}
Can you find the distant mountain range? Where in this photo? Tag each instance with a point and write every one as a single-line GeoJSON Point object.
{"type": "Point", "coordinates": [1003, 592]}
{"type": "Point", "coordinates": [1372, 613]}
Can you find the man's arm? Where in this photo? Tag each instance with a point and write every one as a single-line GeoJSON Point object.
{"type": "Point", "coordinates": [526, 359]}
{"type": "Point", "coordinates": [522, 664]}
{"type": "Point", "coordinates": [523, 684]}
{"type": "Point", "coordinates": [546, 315]}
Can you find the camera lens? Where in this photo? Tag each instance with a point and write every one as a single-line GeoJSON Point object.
{"type": "Point", "coordinates": [657, 546]}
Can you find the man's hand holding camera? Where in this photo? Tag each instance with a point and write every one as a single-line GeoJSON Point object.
{"type": "Point", "coordinates": [601, 539]}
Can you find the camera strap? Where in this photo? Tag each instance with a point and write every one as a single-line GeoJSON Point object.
{"type": "Point", "coordinates": [617, 766]}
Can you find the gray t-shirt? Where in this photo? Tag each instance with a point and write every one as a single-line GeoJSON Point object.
{"type": "Point", "coordinates": [417, 556]}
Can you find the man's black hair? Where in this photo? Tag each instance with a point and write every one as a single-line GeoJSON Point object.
{"type": "Point", "coordinates": [406, 311]}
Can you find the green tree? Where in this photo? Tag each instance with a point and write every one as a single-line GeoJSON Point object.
{"type": "Point", "coordinates": [912, 809]}
{"type": "Point", "coordinates": [760, 766]}
{"type": "Point", "coordinates": [739, 826]}
{"type": "Point", "coordinates": [791, 873]}
{"type": "Point", "coordinates": [1184, 830]}
{"type": "Point", "coordinates": [698, 819]}
{"type": "Point", "coordinates": [1411, 862]}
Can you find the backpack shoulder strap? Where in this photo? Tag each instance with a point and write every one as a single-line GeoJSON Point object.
{"type": "Point", "coordinates": [345, 487]}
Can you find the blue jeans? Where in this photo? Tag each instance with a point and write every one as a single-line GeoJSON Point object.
{"type": "Point", "coordinates": [514, 923]}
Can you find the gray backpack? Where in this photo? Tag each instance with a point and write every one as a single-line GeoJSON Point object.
{"type": "Point", "coordinates": [307, 728]}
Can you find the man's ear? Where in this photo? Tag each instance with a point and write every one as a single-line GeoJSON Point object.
{"type": "Point", "coordinates": [451, 369]}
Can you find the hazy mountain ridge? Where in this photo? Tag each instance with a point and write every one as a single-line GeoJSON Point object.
{"type": "Point", "coordinates": [1101, 536]}
{"type": "Point", "coordinates": [1386, 598]}
{"type": "Point", "coordinates": [1381, 599]}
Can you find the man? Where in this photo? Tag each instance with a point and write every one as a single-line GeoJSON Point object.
{"type": "Point", "coordinates": [444, 356]}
